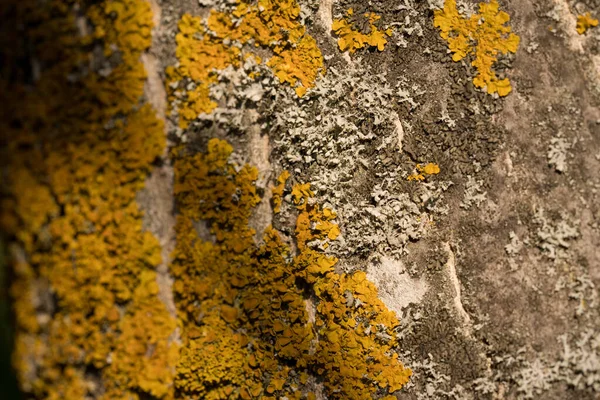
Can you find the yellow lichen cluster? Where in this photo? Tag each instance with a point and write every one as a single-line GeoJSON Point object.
{"type": "Point", "coordinates": [278, 191]}
{"type": "Point", "coordinates": [351, 39]}
{"type": "Point", "coordinates": [205, 46]}
{"type": "Point", "coordinates": [484, 35]}
{"type": "Point", "coordinates": [256, 320]}
{"type": "Point", "coordinates": [585, 22]}
{"type": "Point", "coordinates": [262, 320]}
{"type": "Point", "coordinates": [423, 170]}
{"type": "Point", "coordinates": [78, 144]}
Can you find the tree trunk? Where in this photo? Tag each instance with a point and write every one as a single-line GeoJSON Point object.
{"type": "Point", "coordinates": [300, 199]}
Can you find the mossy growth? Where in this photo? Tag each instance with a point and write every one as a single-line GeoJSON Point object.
{"type": "Point", "coordinates": [585, 22]}
{"type": "Point", "coordinates": [78, 143]}
{"type": "Point", "coordinates": [350, 38]}
{"type": "Point", "coordinates": [263, 320]}
{"type": "Point", "coordinates": [205, 46]}
{"type": "Point", "coordinates": [484, 36]}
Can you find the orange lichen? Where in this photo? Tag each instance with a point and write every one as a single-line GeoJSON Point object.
{"type": "Point", "coordinates": [350, 39]}
{"type": "Point", "coordinates": [585, 22]}
{"type": "Point", "coordinates": [205, 46]}
{"type": "Point", "coordinates": [124, 25]}
{"type": "Point", "coordinates": [278, 191]}
{"type": "Point", "coordinates": [424, 170]}
{"type": "Point", "coordinates": [89, 322]}
{"type": "Point", "coordinates": [77, 147]}
{"type": "Point", "coordinates": [299, 65]}
{"type": "Point", "coordinates": [242, 306]}
{"type": "Point", "coordinates": [484, 35]}
{"type": "Point", "coordinates": [200, 54]}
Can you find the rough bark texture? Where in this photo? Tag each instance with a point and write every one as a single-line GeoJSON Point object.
{"type": "Point", "coordinates": [301, 198]}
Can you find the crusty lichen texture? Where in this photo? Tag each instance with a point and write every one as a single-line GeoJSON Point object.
{"type": "Point", "coordinates": [483, 36]}
{"type": "Point", "coordinates": [350, 38]}
{"type": "Point", "coordinates": [254, 320]}
{"type": "Point", "coordinates": [77, 146]}
{"type": "Point", "coordinates": [208, 45]}
{"type": "Point", "coordinates": [422, 171]}
{"type": "Point", "coordinates": [267, 320]}
{"type": "Point", "coordinates": [277, 191]}
{"type": "Point", "coordinates": [585, 22]}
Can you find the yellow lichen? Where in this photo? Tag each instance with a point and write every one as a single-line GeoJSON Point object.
{"type": "Point", "coordinates": [350, 39]}
{"type": "Point", "coordinates": [585, 22]}
{"type": "Point", "coordinates": [124, 25]}
{"type": "Point", "coordinates": [484, 36]}
{"type": "Point", "coordinates": [79, 144]}
{"type": "Point", "coordinates": [80, 141]}
{"type": "Point", "coordinates": [206, 46]}
{"type": "Point", "coordinates": [278, 190]}
{"type": "Point", "coordinates": [242, 306]}
{"type": "Point", "coordinates": [423, 170]}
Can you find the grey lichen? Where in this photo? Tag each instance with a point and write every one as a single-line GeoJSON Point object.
{"type": "Point", "coordinates": [553, 237]}
{"type": "Point", "coordinates": [578, 366]}
{"type": "Point", "coordinates": [514, 247]}
{"type": "Point", "coordinates": [474, 194]}
{"type": "Point", "coordinates": [346, 130]}
{"type": "Point", "coordinates": [557, 153]}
